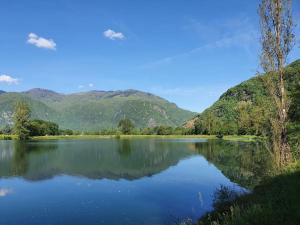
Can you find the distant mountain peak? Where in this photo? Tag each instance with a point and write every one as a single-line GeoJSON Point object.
{"type": "Point", "coordinates": [116, 93]}
{"type": "Point", "coordinates": [39, 91]}
{"type": "Point", "coordinates": [97, 109]}
{"type": "Point", "coordinates": [129, 92]}
{"type": "Point", "coordinates": [2, 92]}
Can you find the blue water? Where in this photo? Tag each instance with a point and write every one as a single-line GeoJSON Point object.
{"type": "Point", "coordinates": [109, 181]}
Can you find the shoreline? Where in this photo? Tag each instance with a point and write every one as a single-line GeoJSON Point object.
{"type": "Point", "coordinates": [242, 138]}
{"type": "Point", "coordinates": [276, 200]}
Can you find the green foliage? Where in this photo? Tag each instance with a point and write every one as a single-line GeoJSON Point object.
{"type": "Point", "coordinates": [224, 196]}
{"type": "Point", "coordinates": [164, 130]}
{"type": "Point", "coordinates": [294, 112]}
{"type": "Point", "coordinates": [109, 132]}
{"type": "Point", "coordinates": [275, 201]}
{"type": "Point", "coordinates": [6, 130]}
{"type": "Point", "coordinates": [126, 126]}
{"type": "Point", "coordinates": [6, 137]}
{"type": "Point", "coordinates": [220, 135]}
{"type": "Point", "coordinates": [42, 128]}
{"type": "Point", "coordinates": [245, 109]}
{"type": "Point", "coordinates": [294, 138]}
{"type": "Point", "coordinates": [66, 132]}
{"type": "Point", "coordinates": [21, 121]}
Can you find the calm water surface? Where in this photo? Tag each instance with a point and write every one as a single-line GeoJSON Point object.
{"type": "Point", "coordinates": [120, 182]}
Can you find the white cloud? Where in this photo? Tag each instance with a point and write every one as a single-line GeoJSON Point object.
{"type": "Point", "coordinates": [84, 86]}
{"type": "Point", "coordinates": [113, 35]}
{"type": "Point", "coordinates": [41, 42]}
{"type": "Point", "coordinates": [8, 79]}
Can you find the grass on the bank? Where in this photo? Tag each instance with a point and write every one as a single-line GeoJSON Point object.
{"type": "Point", "coordinates": [275, 201]}
{"type": "Point", "coordinates": [74, 137]}
{"type": "Point", "coordinates": [243, 138]}
{"type": "Point", "coordinates": [7, 137]}
{"type": "Point", "coordinates": [119, 136]}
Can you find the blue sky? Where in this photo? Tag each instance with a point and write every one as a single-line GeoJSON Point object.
{"type": "Point", "coordinates": [188, 52]}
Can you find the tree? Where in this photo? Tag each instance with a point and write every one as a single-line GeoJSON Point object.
{"type": "Point", "coordinates": [244, 118]}
{"type": "Point", "coordinates": [21, 121]}
{"type": "Point", "coordinates": [199, 127]}
{"type": "Point", "coordinates": [210, 123]}
{"type": "Point", "coordinates": [294, 111]}
{"type": "Point", "coordinates": [6, 130]}
{"type": "Point", "coordinates": [277, 41]}
{"type": "Point", "coordinates": [126, 126]}
{"type": "Point", "coordinates": [66, 132]}
{"type": "Point", "coordinates": [164, 130]}
{"type": "Point", "coordinates": [42, 128]}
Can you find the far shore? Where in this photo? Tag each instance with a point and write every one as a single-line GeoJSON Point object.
{"type": "Point", "coordinates": [242, 138]}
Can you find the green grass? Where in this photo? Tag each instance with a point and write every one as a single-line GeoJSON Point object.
{"type": "Point", "coordinates": [7, 137]}
{"type": "Point", "coordinates": [72, 137]}
{"type": "Point", "coordinates": [243, 138]}
{"type": "Point", "coordinates": [229, 138]}
{"type": "Point", "coordinates": [275, 201]}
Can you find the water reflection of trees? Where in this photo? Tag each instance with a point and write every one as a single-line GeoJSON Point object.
{"type": "Point", "coordinates": [243, 163]}
{"type": "Point", "coordinates": [112, 159]}
{"type": "Point", "coordinates": [124, 147]}
{"type": "Point", "coordinates": [20, 162]}
{"type": "Point", "coordinates": [21, 152]}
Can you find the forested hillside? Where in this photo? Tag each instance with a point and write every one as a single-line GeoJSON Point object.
{"type": "Point", "coordinates": [246, 108]}
{"type": "Point", "coordinates": [94, 110]}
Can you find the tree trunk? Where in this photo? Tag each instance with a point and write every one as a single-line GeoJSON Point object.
{"type": "Point", "coordinates": [284, 146]}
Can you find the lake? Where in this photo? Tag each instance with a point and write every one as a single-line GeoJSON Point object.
{"type": "Point", "coordinates": [149, 181]}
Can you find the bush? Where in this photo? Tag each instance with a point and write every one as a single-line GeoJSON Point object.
{"type": "Point", "coordinates": [6, 130]}
{"type": "Point", "coordinates": [66, 132]}
{"type": "Point", "coordinates": [126, 126]}
{"type": "Point", "coordinates": [220, 135]}
{"type": "Point", "coordinates": [42, 128]}
{"type": "Point", "coordinates": [224, 196]}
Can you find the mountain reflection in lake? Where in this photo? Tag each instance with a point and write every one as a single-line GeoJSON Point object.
{"type": "Point", "coordinates": [126, 181]}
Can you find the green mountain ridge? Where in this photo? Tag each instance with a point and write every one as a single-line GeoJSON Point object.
{"type": "Point", "coordinates": [245, 108]}
{"type": "Point", "coordinates": [94, 110]}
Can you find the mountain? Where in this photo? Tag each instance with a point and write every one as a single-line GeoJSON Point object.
{"type": "Point", "coordinates": [245, 108]}
{"type": "Point", "coordinates": [94, 110]}
{"type": "Point", "coordinates": [2, 92]}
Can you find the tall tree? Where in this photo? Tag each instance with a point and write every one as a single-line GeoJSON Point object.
{"type": "Point", "coordinates": [21, 121]}
{"type": "Point", "coordinates": [244, 116]}
{"type": "Point", "coordinates": [277, 40]}
{"type": "Point", "coordinates": [126, 126]}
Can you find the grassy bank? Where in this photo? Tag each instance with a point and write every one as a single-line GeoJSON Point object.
{"type": "Point", "coordinates": [245, 138]}
{"type": "Point", "coordinates": [275, 201]}
{"type": "Point", "coordinates": [7, 137]}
